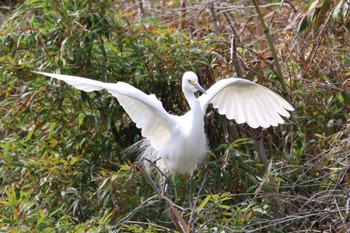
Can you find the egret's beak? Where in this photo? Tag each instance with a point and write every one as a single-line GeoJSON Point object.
{"type": "Point", "coordinates": [199, 88]}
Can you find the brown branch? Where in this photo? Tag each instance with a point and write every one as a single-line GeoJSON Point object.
{"type": "Point", "coordinates": [214, 17]}
{"type": "Point", "coordinates": [273, 51]}
{"type": "Point", "coordinates": [170, 208]}
{"type": "Point", "coordinates": [254, 133]}
{"type": "Point", "coordinates": [234, 58]}
{"type": "Point", "coordinates": [182, 15]}
{"type": "Point", "coordinates": [140, 8]}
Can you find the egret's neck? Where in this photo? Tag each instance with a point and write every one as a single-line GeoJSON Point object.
{"type": "Point", "coordinates": [193, 103]}
{"type": "Point", "coordinates": [196, 127]}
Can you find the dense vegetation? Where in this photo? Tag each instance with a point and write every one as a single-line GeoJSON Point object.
{"type": "Point", "coordinates": [63, 166]}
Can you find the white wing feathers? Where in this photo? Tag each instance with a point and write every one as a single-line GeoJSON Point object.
{"type": "Point", "coordinates": [145, 110]}
{"type": "Point", "coordinates": [245, 101]}
{"type": "Point", "coordinates": [238, 99]}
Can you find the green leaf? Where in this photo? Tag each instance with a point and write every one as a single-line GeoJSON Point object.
{"type": "Point", "coordinates": [226, 207]}
{"type": "Point", "coordinates": [337, 9]}
{"type": "Point", "coordinates": [2, 202]}
{"type": "Point", "coordinates": [81, 117]}
{"type": "Point", "coordinates": [311, 11]}
{"type": "Point", "coordinates": [346, 97]}
{"type": "Point", "coordinates": [239, 141]}
{"type": "Point", "coordinates": [204, 202]}
{"type": "Point", "coordinates": [52, 129]}
{"type": "Point", "coordinates": [30, 134]}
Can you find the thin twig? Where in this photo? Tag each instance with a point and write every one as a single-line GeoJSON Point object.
{"type": "Point", "coordinates": [231, 26]}
{"type": "Point", "coordinates": [214, 17]}
{"type": "Point", "coordinates": [134, 211]}
{"type": "Point", "coordinates": [341, 216]}
{"type": "Point", "coordinates": [140, 8]}
{"type": "Point", "coordinates": [182, 14]}
{"type": "Point", "coordinates": [234, 57]}
{"type": "Point", "coordinates": [150, 224]}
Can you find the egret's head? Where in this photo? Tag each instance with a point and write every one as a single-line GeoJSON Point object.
{"type": "Point", "coordinates": [190, 83]}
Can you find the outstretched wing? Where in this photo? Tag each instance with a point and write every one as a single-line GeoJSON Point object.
{"type": "Point", "coordinates": [145, 110]}
{"type": "Point", "coordinates": [245, 101]}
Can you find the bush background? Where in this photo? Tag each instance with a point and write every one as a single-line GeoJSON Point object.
{"type": "Point", "coordinates": [61, 150]}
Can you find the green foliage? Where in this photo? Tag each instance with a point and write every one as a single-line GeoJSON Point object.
{"type": "Point", "coordinates": [62, 166]}
{"type": "Point", "coordinates": [58, 141]}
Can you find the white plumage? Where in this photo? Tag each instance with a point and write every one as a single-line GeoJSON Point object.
{"type": "Point", "coordinates": [180, 141]}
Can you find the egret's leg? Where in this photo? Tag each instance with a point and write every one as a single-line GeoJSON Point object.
{"type": "Point", "coordinates": [165, 181]}
{"type": "Point", "coordinates": [193, 228]}
{"type": "Point", "coordinates": [191, 191]}
{"type": "Point", "coordinates": [166, 184]}
{"type": "Point", "coordinates": [165, 177]}
{"type": "Point", "coordinates": [193, 203]}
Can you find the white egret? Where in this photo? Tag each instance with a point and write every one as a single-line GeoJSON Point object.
{"type": "Point", "coordinates": [180, 141]}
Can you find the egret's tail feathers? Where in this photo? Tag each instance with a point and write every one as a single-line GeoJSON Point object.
{"type": "Point", "coordinates": [145, 151]}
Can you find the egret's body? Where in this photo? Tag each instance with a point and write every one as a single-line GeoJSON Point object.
{"type": "Point", "coordinates": [180, 141]}
{"type": "Point", "coordinates": [187, 145]}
